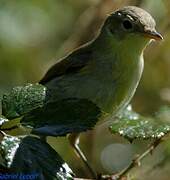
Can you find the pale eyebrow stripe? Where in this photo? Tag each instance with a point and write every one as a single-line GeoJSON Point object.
{"type": "Point", "coordinates": [130, 17]}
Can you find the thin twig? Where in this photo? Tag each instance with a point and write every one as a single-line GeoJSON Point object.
{"type": "Point", "coordinates": [135, 162]}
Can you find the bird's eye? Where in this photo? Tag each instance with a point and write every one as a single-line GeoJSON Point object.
{"type": "Point", "coordinates": [127, 25]}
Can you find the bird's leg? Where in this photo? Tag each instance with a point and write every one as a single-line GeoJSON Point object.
{"type": "Point", "coordinates": [74, 141]}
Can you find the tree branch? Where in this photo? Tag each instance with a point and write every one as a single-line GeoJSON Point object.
{"type": "Point", "coordinates": [135, 162]}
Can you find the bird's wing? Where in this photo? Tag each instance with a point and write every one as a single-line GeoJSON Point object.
{"type": "Point", "coordinates": [62, 117]}
{"type": "Point", "coordinates": [70, 64]}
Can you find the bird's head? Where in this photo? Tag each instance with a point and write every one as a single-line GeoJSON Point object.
{"type": "Point", "coordinates": [131, 26]}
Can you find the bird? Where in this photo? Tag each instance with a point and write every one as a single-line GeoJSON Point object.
{"type": "Point", "coordinates": [96, 80]}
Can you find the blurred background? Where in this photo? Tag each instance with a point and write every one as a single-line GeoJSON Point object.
{"type": "Point", "coordinates": [34, 34]}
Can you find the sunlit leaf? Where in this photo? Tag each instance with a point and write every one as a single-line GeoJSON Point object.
{"type": "Point", "coordinates": [22, 99]}
{"type": "Point", "coordinates": [132, 125]}
{"type": "Point", "coordinates": [3, 120]}
{"type": "Point", "coordinates": [8, 146]}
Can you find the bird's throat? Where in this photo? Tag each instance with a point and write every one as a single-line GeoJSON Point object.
{"type": "Point", "coordinates": [119, 73]}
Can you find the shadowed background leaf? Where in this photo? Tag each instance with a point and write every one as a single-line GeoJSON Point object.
{"type": "Point", "coordinates": [32, 156]}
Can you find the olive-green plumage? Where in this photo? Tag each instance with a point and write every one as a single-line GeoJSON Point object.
{"type": "Point", "coordinates": [101, 75]}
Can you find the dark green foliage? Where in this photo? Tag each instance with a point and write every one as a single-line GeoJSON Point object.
{"type": "Point", "coordinates": [8, 147]}
{"type": "Point", "coordinates": [55, 118]}
{"type": "Point", "coordinates": [22, 99]}
{"type": "Point", "coordinates": [61, 117]}
{"type": "Point", "coordinates": [32, 156]}
{"type": "Point", "coordinates": [132, 125]}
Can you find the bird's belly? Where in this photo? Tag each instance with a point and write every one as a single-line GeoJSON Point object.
{"type": "Point", "coordinates": [114, 97]}
{"type": "Point", "coordinates": [108, 95]}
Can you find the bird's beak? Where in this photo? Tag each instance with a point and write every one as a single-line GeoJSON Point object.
{"type": "Point", "coordinates": [153, 35]}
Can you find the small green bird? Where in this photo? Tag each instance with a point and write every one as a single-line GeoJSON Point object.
{"type": "Point", "coordinates": [96, 80]}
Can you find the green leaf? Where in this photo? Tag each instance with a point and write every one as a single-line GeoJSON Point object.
{"type": "Point", "coordinates": [22, 99]}
{"type": "Point", "coordinates": [3, 120]}
{"type": "Point", "coordinates": [131, 125]}
{"type": "Point", "coordinates": [8, 147]}
{"type": "Point", "coordinates": [31, 155]}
